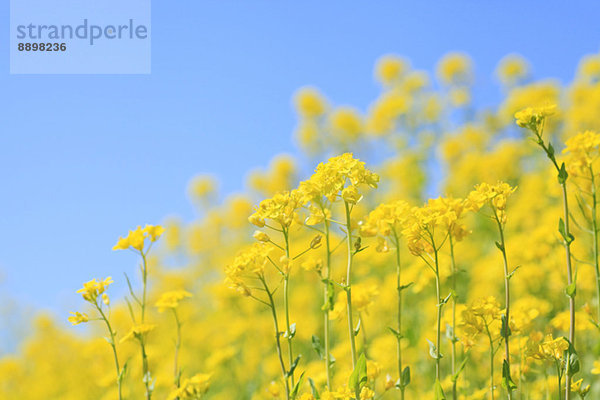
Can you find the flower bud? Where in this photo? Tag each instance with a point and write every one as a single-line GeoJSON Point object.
{"type": "Point", "coordinates": [316, 242]}
{"type": "Point", "coordinates": [261, 236]}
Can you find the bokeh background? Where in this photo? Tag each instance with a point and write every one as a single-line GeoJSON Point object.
{"type": "Point", "coordinates": [85, 158]}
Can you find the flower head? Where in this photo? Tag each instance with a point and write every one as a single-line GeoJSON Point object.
{"type": "Point", "coordinates": [77, 318]}
{"type": "Point", "coordinates": [138, 332]}
{"type": "Point", "coordinates": [92, 289]}
{"type": "Point", "coordinates": [171, 299]}
{"type": "Point", "coordinates": [532, 117]}
{"type": "Point", "coordinates": [136, 238]}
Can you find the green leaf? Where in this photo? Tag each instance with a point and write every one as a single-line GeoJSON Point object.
{"type": "Point", "coordinates": [297, 386]}
{"type": "Point", "coordinates": [292, 331]}
{"type": "Point", "coordinates": [500, 246]}
{"type": "Point", "coordinates": [313, 389]}
{"type": "Point", "coordinates": [316, 344]}
{"type": "Point", "coordinates": [357, 329]}
{"type": "Point", "coordinates": [449, 332]}
{"type": "Point", "coordinates": [439, 392]}
{"type": "Point", "coordinates": [550, 151]}
{"type": "Point", "coordinates": [395, 332]}
{"type": "Point", "coordinates": [405, 377]}
{"type": "Point", "coordinates": [358, 378]}
{"type": "Point", "coordinates": [562, 174]}
{"type": "Point", "coordinates": [123, 371]}
{"type": "Point", "coordinates": [567, 237]}
{"type": "Point", "coordinates": [445, 300]}
{"type": "Point", "coordinates": [329, 303]}
{"type": "Point", "coordinates": [572, 359]}
{"type": "Point", "coordinates": [293, 366]}
{"type": "Point", "coordinates": [507, 382]}
{"type": "Point", "coordinates": [571, 290]}
{"type": "Point", "coordinates": [505, 329]}
{"type": "Point", "coordinates": [510, 275]}
{"type": "Point", "coordinates": [433, 352]}
{"type": "Point", "coordinates": [332, 359]}
{"type": "Point", "coordinates": [460, 369]}
{"type": "Point", "coordinates": [404, 287]}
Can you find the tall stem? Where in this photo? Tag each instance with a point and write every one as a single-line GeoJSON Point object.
{"type": "Point", "coordinates": [349, 286]}
{"type": "Point", "coordinates": [595, 234]}
{"type": "Point", "coordinates": [491, 360]}
{"type": "Point", "coordinates": [277, 340]}
{"type": "Point", "coordinates": [177, 347]}
{"type": "Point", "coordinates": [439, 315]}
{"type": "Point", "coordinates": [328, 306]}
{"type": "Point", "coordinates": [286, 304]}
{"type": "Point", "coordinates": [567, 245]}
{"type": "Point", "coordinates": [454, 298]}
{"type": "Point", "coordinates": [114, 348]}
{"type": "Point", "coordinates": [506, 333]}
{"type": "Point", "coordinates": [399, 325]}
{"type": "Point", "coordinates": [145, 367]}
{"type": "Point", "coordinates": [562, 177]}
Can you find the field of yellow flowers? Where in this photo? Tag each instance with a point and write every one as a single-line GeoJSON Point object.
{"type": "Point", "coordinates": [350, 282]}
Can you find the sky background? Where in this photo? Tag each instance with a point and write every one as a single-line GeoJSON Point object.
{"type": "Point", "coordinates": [85, 158]}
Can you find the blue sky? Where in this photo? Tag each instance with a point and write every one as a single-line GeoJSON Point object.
{"type": "Point", "coordinates": [84, 158]}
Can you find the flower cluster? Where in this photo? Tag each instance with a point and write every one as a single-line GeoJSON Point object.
{"type": "Point", "coordinates": [136, 239]}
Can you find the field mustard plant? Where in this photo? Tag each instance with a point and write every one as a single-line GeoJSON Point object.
{"type": "Point", "coordinates": [94, 292]}
{"type": "Point", "coordinates": [170, 301]}
{"type": "Point", "coordinates": [534, 120]}
{"type": "Point", "coordinates": [323, 260]}
{"type": "Point", "coordinates": [496, 197]}
{"type": "Point", "coordinates": [140, 241]}
{"type": "Point", "coordinates": [426, 230]}
{"type": "Point", "coordinates": [386, 221]}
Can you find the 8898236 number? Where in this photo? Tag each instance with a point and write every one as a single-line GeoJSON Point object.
{"type": "Point", "coordinates": [42, 47]}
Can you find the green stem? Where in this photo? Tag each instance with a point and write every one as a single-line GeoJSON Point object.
{"type": "Point", "coordinates": [399, 325]}
{"type": "Point", "coordinates": [114, 348]}
{"type": "Point", "coordinates": [327, 308]}
{"type": "Point", "coordinates": [595, 233]}
{"type": "Point", "coordinates": [567, 244]}
{"type": "Point", "coordinates": [559, 378]}
{"type": "Point", "coordinates": [145, 366]}
{"type": "Point", "coordinates": [277, 340]}
{"type": "Point", "coordinates": [506, 334]}
{"type": "Point", "coordinates": [439, 316]}
{"type": "Point", "coordinates": [286, 291]}
{"type": "Point", "coordinates": [491, 360]}
{"type": "Point", "coordinates": [177, 347]}
{"type": "Point", "coordinates": [349, 286]}
{"type": "Point", "coordinates": [453, 338]}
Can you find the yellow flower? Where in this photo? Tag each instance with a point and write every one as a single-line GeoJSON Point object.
{"type": "Point", "coordinates": [153, 232]}
{"type": "Point", "coordinates": [549, 348]}
{"type": "Point", "coordinates": [92, 289]}
{"type": "Point", "coordinates": [390, 68]}
{"type": "Point", "coordinates": [366, 393]}
{"type": "Point", "coordinates": [582, 150]}
{"type": "Point", "coordinates": [350, 195]}
{"type": "Point", "coordinates": [532, 117]}
{"type": "Point", "coordinates": [309, 102]}
{"type": "Point", "coordinates": [138, 331]}
{"type": "Point", "coordinates": [512, 69]}
{"type": "Point", "coordinates": [171, 299]}
{"type": "Point", "coordinates": [261, 236]}
{"type": "Point", "coordinates": [78, 318]}
{"type": "Point", "coordinates": [331, 178]}
{"type": "Point", "coordinates": [455, 68]}
{"type": "Point", "coordinates": [192, 388]}
{"type": "Point", "coordinates": [136, 238]}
